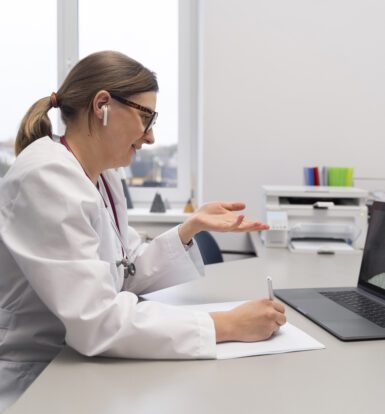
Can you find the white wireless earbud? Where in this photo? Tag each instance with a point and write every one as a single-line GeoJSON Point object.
{"type": "Point", "coordinates": [105, 114]}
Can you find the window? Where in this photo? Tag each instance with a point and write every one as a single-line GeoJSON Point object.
{"type": "Point", "coordinates": [158, 34]}
{"type": "Point", "coordinates": [154, 42]}
{"type": "Point", "coordinates": [28, 47]}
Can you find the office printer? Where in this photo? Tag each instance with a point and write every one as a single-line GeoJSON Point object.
{"type": "Point", "coordinates": [315, 219]}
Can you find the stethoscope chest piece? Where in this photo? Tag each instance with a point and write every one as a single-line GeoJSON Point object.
{"type": "Point", "coordinates": [129, 268]}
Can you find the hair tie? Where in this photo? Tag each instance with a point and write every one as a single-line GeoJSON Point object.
{"type": "Point", "coordinates": [53, 100]}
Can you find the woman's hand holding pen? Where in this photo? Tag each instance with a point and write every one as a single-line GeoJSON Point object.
{"type": "Point", "coordinates": [221, 217]}
{"type": "Point", "coordinates": [252, 321]}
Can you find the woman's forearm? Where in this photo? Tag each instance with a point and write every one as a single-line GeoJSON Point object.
{"type": "Point", "coordinates": [187, 231]}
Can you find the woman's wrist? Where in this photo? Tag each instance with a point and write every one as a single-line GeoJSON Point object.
{"type": "Point", "coordinates": [187, 231]}
{"type": "Point", "coordinates": [222, 325]}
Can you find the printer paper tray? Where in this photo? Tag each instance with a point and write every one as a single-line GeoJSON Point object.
{"type": "Point", "coordinates": [320, 246]}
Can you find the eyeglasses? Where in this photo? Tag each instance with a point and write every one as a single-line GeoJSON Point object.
{"type": "Point", "coordinates": [150, 120]}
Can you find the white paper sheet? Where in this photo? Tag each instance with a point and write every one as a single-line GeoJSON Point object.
{"type": "Point", "coordinates": [330, 246]}
{"type": "Point", "coordinates": [288, 339]}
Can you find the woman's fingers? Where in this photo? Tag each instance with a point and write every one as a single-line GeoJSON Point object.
{"type": "Point", "coordinates": [238, 221]}
{"type": "Point", "coordinates": [240, 224]}
{"type": "Point", "coordinates": [225, 219]}
{"type": "Point", "coordinates": [252, 226]}
{"type": "Point", "coordinates": [280, 315]}
{"type": "Point", "coordinates": [236, 206]}
{"type": "Point", "coordinates": [227, 223]}
{"type": "Point", "coordinates": [278, 306]}
{"type": "Point", "coordinates": [281, 320]}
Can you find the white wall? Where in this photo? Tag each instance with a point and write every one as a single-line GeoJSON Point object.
{"type": "Point", "coordinates": [288, 83]}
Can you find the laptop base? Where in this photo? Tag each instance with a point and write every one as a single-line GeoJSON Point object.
{"type": "Point", "coordinates": [334, 318]}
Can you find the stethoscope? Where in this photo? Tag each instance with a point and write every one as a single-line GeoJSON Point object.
{"type": "Point", "coordinates": [129, 267]}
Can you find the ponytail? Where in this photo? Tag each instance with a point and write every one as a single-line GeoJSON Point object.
{"type": "Point", "coordinates": [34, 125]}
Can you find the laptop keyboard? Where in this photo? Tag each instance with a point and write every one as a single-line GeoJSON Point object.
{"type": "Point", "coordinates": [359, 304]}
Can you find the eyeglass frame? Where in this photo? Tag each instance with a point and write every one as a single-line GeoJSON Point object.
{"type": "Point", "coordinates": [154, 114]}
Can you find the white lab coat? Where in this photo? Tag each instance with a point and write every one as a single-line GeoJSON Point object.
{"type": "Point", "coordinates": [59, 282]}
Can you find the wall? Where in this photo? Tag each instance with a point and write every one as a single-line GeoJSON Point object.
{"type": "Point", "coordinates": [286, 84]}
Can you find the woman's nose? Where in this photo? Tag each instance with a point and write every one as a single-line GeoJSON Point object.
{"type": "Point", "coordinates": [149, 137]}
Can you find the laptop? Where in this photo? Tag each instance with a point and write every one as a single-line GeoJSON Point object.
{"type": "Point", "coordinates": [351, 313]}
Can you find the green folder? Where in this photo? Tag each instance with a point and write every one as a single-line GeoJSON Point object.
{"type": "Point", "coordinates": [340, 176]}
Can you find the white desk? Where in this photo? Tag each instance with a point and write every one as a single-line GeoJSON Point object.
{"type": "Point", "coordinates": [343, 378]}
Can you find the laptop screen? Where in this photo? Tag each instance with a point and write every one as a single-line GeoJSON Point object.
{"type": "Point", "coordinates": [372, 273]}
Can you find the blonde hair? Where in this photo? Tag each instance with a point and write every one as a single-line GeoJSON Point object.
{"type": "Point", "coordinates": [108, 70]}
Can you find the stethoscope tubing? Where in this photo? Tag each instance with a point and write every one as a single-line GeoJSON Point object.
{"type": "Point", "coordinates": [127, 264]}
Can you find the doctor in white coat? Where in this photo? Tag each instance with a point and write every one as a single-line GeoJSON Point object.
{"type": "Point", "coordinates": [71, 267]}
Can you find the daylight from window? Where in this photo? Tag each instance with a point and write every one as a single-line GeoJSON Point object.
{"type": "Point", "coordinates": [138, 32]}
{"type": "Point", "coordinates": [28, 48]}
{"type": "Point", "coordinates": [29, 63]}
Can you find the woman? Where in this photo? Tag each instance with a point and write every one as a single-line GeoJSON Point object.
{"type": "Point", "coordinates": [71, 268]}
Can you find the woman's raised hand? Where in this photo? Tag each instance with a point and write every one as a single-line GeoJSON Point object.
{"type": "Point", "coordinates": [224, 217]}
{"type": "Point", "coordinates": [219, 216]}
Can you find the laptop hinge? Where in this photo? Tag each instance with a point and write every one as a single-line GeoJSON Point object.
{"type": "Point", "coordinates": [371, 291]}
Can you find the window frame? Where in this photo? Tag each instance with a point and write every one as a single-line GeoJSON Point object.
{"type": "Point", "coordinates": [68, 55]}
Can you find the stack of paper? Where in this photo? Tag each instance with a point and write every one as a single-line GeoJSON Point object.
{"type": "Point", "coordinates": [320, 246]}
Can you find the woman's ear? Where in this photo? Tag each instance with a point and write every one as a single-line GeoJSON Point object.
{"type": "Point", "coordinates": [100, 105]}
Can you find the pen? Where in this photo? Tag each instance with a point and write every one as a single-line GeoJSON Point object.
{"type": "Point", "coordinates": [270, 287]}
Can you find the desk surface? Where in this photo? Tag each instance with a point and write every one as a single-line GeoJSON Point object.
{"type": "Point", "coordinates": [343, 378]}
